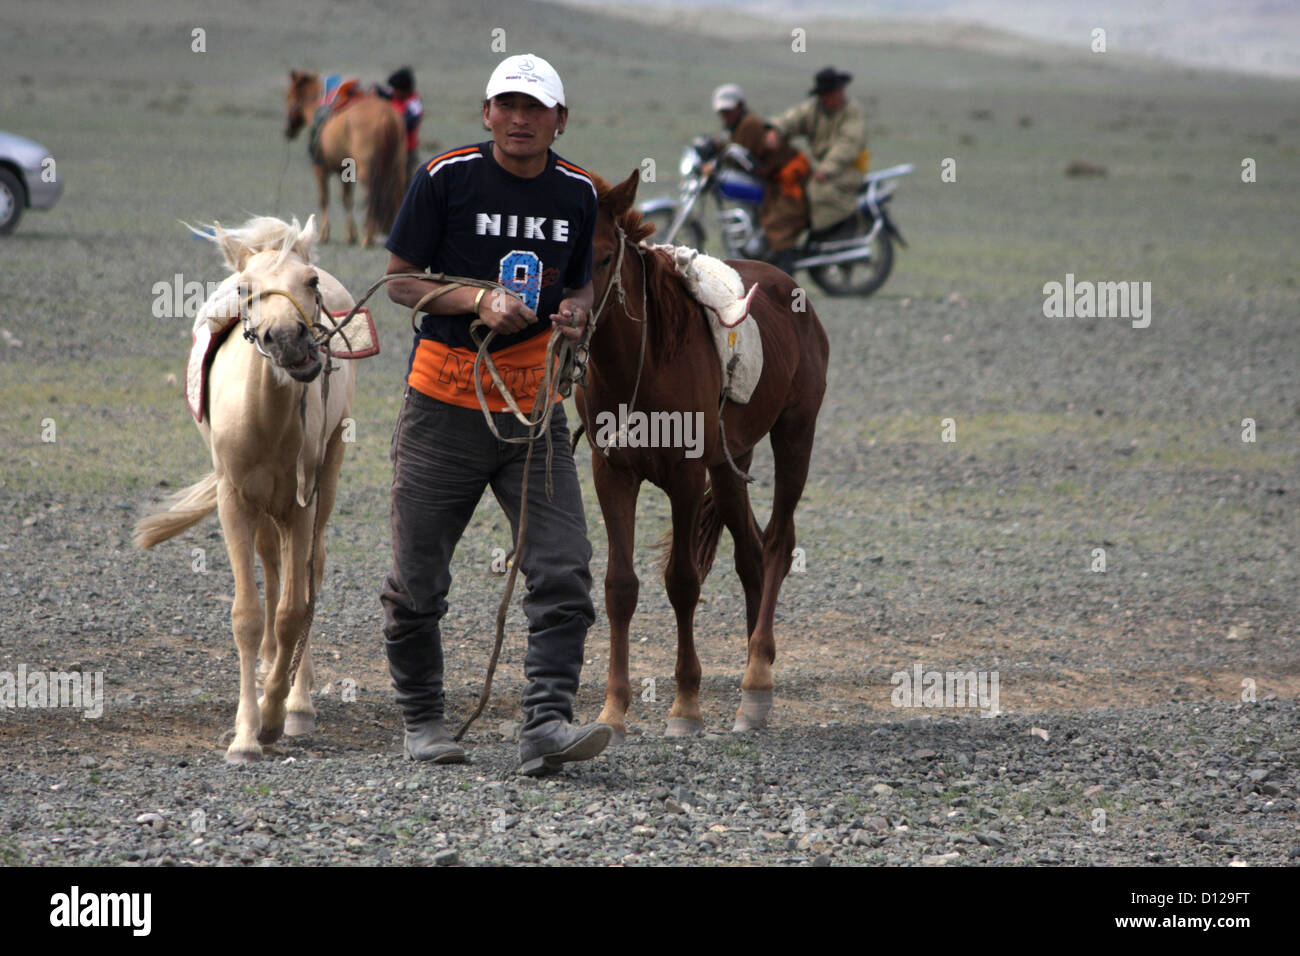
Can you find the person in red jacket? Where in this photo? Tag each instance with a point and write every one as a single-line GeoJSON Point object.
{"type": "Point", "coordinates": [401, 93]}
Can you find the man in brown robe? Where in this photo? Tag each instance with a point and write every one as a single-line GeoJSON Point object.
{"type": "Point", "coordinates": [836, 130]}
{"type": "Point", "coordinates": [782, 168]}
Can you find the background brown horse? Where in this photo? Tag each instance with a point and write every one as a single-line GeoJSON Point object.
{"type": "Point", "coordinates": [371, 134]}
{"type": "Point", "coordinates": [680, 371]}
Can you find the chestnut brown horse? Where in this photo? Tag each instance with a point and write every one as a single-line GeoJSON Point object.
{"type": "Point", "coordinates": [364, 142]}
{"type": "Point", "coordinates": [677, 370]}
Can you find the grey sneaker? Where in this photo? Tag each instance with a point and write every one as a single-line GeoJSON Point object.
{"type": "Point", "coordinates": [560, 742]}
{"type": "Point", "coordinates": [432, 741]}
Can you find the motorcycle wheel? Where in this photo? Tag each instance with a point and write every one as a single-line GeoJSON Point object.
{"type": "Point", "coordinates": [691, 234]}
{"type": "Point", "coordinates": [857, 278]}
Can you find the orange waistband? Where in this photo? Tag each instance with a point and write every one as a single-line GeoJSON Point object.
{"type": "Point", "coordinates": [447, 374]}
{"type": "Point", "coordinates": [791, 176]}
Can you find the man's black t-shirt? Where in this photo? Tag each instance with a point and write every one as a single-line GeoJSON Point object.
{"type": "Point", "coordinates": [465, 215]}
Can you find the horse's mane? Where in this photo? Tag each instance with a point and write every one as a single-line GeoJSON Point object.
{"type": "Point", "coordinates": [259, 234]}
{"type": "Point", "coordinates": [666, 295]}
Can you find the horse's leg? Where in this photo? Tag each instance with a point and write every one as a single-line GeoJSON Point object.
{"type": "Point", "coordinates": [792, 441]}
{"type": "Point", "coordinates": [731, 498]}
{"type": "Point", "coordinates": [301, 716]}
{"type": "Point", "coordinates": [369, 228]}
{"type": "Point", "coordinates": [617, 492]}
{"type": "Point", "coordinates": [682, 581]}
{"type": "Point", "coordinates": [291, 617]}
{"type": "Point", "coordinates": [267, 541]}
{"type": "Point", "coordinates": [347, 211]}
{"type": "Point", "coordinates": [323, 200]}
{"type": "Point", "coordinates": [238, 524]}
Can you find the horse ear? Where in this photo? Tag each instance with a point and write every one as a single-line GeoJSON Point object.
{"type": "Point", "coordinates": [232, 250]}
{"type": "Point", "coordinates": [619, 199]}
{"type": "Point", "coordinates": [306, 239]}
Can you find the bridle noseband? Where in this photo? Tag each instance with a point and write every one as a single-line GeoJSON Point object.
{"type": "Point", "coordinates": [615, 284]}
{"type": "Point", "coordinates": [320, 334]}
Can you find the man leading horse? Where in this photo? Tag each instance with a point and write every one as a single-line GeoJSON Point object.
{"type": "Point", "coordinates": [508, 210]}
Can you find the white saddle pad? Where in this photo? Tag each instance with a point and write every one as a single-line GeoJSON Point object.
{"type": "Point", "coordinates": [719, 288]}
{"type": "Point", "coordinates": [356, 340]}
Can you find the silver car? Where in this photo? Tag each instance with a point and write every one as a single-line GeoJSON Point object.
{"type": "Point", "coordinates": [28, 179]}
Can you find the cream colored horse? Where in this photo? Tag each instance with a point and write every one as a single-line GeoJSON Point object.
{"type": "Point", "coordinates": [265, 460]}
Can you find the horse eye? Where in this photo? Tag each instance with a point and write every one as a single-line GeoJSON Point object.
{"type": "Point", "coordinates": [604, 262]}
{"type": "Point", "coordinates": [313, 282]}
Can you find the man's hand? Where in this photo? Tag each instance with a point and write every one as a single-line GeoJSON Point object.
{"type": "Point", "coordinates": [571, 318]}
{"type": "Point", "coordinates": [504, 313]}
{"type": "Point", "coordinates": [772, 140]}
{"type": "Point", "coordinates": [500, 311]}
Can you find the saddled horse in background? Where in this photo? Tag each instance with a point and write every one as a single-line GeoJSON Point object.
{"type": "Point", "coordinates": [369, 134]}
{"type": "Point", "coordinates": [263, 424]}
{"type": "Point", "coordinates": [679, 371]}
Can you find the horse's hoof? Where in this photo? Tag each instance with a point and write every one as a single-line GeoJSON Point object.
{"type": "Point", "coordinates": [299, 723]}
{"type": "Point", "coordinates": [269, 735]}
{"type": "Point", "coordinates": [241, 756]}
{"type": "Point", "coordinates": [684, 727]}
{"type": "Point", "coordinates": [618, 739]}
{"type": "Point", "coordinates": [755, 705]}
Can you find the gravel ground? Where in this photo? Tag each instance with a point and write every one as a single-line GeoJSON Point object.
{"type": "Point", "coordinates": [1210, 785]}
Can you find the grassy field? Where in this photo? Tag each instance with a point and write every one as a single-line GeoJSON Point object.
{"type": "Point", "coordinates": [1072, 434]}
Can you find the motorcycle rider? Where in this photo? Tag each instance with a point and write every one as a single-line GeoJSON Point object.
{"type": "Point", "coordinates": [836, 130]}
{"type": "Point", "coordinates": [783, 169]}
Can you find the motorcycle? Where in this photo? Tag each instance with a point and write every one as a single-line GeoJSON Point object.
{"type": "Point", "coordinates": [853, 257]}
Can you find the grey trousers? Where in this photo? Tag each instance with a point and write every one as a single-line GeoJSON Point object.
{"type": "Point", "coordinates": [443, 458]}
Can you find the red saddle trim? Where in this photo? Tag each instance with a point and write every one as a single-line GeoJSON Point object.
{"type": "Point", "coordinates": [216, 338]}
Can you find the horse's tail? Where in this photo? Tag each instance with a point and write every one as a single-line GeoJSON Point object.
{"type": "Point", "coordinates": [182, 510]}
{"type": "Point", "coordinates": [387, 174]}
{"type": "Point", "coordinates": [708, 532]}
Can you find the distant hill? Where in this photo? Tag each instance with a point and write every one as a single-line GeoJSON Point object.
{"type": "Point", "coordinates": [1252, 36]}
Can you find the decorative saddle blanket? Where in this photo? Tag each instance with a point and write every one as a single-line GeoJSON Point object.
{"type": "Point", "coordinates": [357, 340]}
{"type": "Point", "coordinates": [719, 288]}
{"type": "Point", "coordinates": [337, 92]}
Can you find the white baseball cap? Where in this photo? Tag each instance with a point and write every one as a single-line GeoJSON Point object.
{"type": "Point", "coordinates": [727, 97]}
{"type": "Point", "coordinates": [527, 73]}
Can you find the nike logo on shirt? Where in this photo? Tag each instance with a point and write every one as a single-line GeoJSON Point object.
{"type": "Point", "coordinates": [533, 227]}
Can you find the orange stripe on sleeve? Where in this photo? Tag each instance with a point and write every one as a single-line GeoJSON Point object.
{"type": "Point", "coordinates": [455, 152]}
{"type": "Point", "coordinates": [576, 169]}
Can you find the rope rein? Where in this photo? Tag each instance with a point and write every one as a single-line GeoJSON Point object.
{"type": "Point", "coordinates": [565, 366]}
{"type": "Point", "coordinates": [557, 380]}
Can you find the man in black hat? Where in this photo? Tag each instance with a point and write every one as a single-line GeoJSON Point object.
{"type": "Point", "coordinates": [836, 130]}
